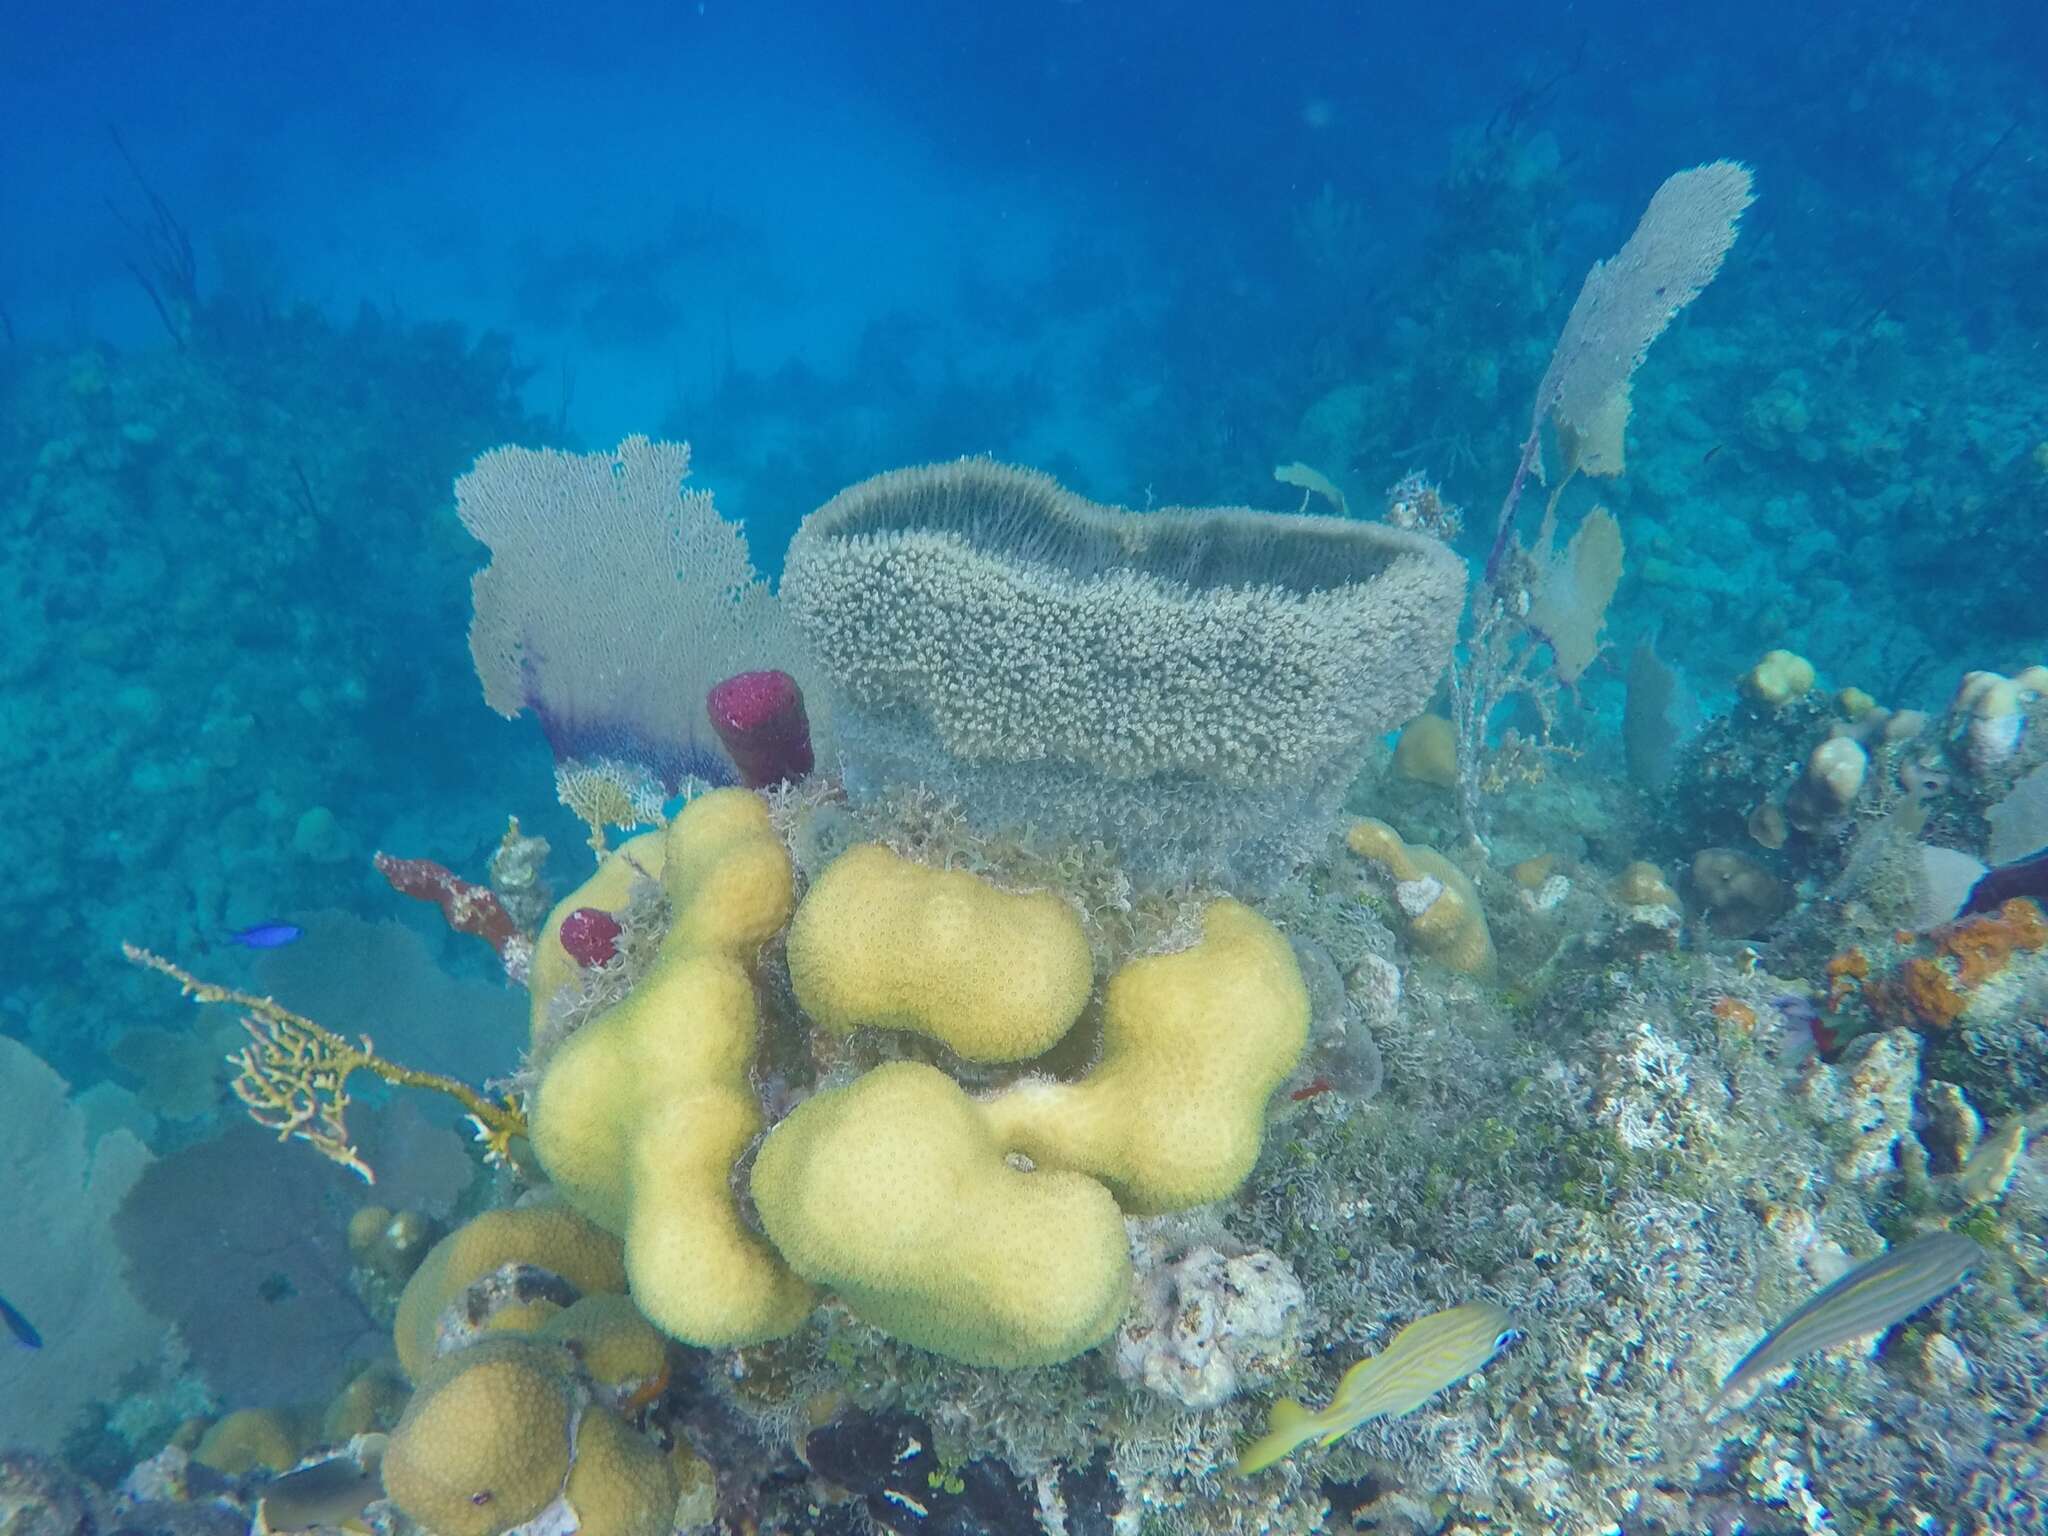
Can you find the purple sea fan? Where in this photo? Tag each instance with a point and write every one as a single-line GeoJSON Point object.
{"type": "Point", "coordinates": [614, 599]}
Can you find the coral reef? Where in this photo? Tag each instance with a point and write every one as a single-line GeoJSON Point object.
{"type": "Point", "coordinates": [982, 1125]}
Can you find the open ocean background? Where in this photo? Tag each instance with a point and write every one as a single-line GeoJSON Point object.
{"type": "Point", "coordinates": [1155, 249]}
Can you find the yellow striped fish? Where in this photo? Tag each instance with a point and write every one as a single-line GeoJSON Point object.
{"type": "Point", "coordinates": [1425, 1357]}
{"type": "Point", "coordinates": [1869, 1299]}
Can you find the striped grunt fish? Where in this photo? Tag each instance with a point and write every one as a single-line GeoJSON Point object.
{"type": "Point", "coordinates": [1869, 1299]}
{"type": "Point", "coordinates": [1425, 1357]}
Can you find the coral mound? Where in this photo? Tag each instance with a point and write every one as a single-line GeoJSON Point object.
{"type": "Point", "coordinates": [894, 1191]}
{"type": "Point", "coordinates": [642, 1113]}
{"type": "Point", "coordinates": [995, 975]}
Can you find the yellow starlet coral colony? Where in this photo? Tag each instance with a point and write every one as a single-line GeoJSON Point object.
{"type": "Point", "coordinates": [1014, 1060]}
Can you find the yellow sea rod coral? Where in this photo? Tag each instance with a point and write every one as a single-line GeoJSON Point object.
{"type": "Point", "coordinates": [1193, 1045]}
{"type": "Point", "coordinates": [549, 1237]}
{"type": "Point", "coordinates": [1445, 920]}
{"type": "Point", "coordinates": [641, 1114]}
{"type": "Point", "coordinates": [484, 1445]}
{"type": "Point", "coordinates": [895, 1192]}
{"type": "Point", "coordinates": [994, 974]}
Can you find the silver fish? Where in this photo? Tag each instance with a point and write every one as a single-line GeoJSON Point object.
{"type": "Point", "coordinates": [1869, 1299]}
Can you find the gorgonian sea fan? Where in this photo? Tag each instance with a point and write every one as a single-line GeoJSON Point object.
{"type": "Point", "coordinates": [614, 600]}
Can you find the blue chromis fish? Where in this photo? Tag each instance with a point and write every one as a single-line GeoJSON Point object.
{"type": "Point", "coordinates": [266, 935]}
{"type": "Point", "coordinates": [19, 1326]}
{"type": "Point", "coordinates": [1869, 1299]}
{"type": "Point", "coordinates": [1424, 1358]}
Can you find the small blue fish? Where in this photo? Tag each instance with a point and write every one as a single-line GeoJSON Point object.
{"type": "Point", "coordinates": [19, 1326]}
{"type": "Point", "coordinates": [266, 935]}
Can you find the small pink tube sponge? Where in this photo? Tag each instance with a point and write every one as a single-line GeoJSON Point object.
{"type": "Point", "coordinates": [759, 716]}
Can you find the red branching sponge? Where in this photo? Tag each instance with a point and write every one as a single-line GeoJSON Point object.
{"type": "Point", "coordinates": [590, 935]}
{"type": "Point", "coordinates": [469, 908]}
{"type": "Point", "coordinates": [760, 718]}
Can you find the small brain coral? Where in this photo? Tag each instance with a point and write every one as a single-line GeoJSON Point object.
{"type": "Point", "coordinates": [1196, 688]}
{"type": "Point", "coordinates": [484, 1445]}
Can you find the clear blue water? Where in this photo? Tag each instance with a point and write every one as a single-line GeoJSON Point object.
{"type": "Point", "coordinates": [1153, 248]}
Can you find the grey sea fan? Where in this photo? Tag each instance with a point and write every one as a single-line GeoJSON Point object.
{"type": "Point", "coordinates": [614, 599]}
{"type": "Point", "coordinates": [1627, 301]}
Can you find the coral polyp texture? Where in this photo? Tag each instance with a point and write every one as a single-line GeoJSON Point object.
{"type": "Point", "coordinates": [1194, 687]}
{"type": "Point", "coordinates": [895, 1192]}
{"type": "Point", "coordinates": [1193, 1045]}
{"type": "Point", "coordinates": [995, 975]}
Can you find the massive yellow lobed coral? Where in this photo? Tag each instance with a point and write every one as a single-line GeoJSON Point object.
{"type": "Point", "coordinates": [642, 1113]}
{"type": "Point", "coordinates": [1193, 1045]}
{"type": "Point", "coordinates": [895, 1192]}
{"type": "Point", "coordinates": [996, 975]}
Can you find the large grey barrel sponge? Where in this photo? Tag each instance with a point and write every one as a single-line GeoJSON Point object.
{"type": "Point", "coordinates": [1193, 686]}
